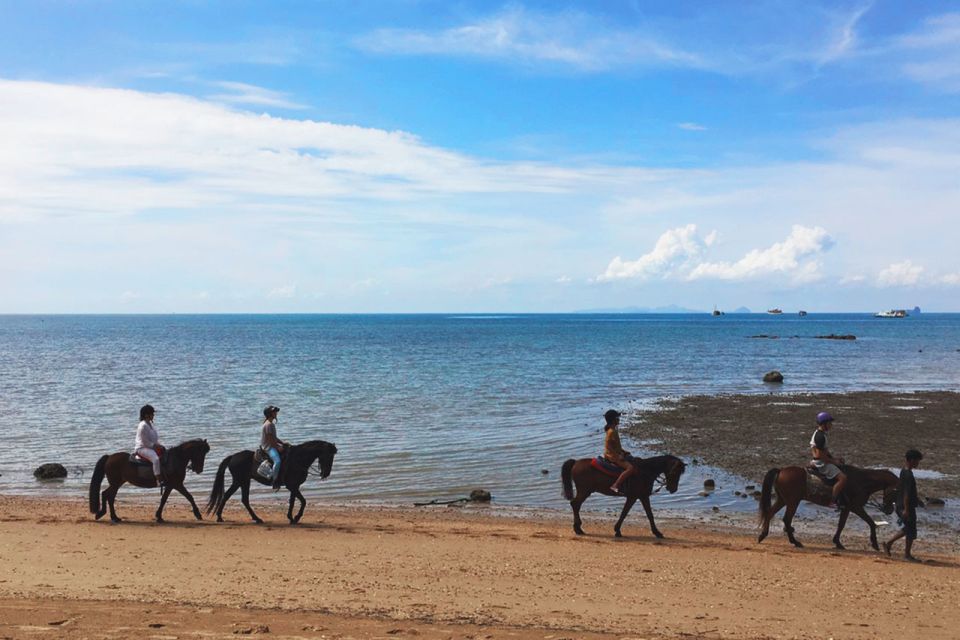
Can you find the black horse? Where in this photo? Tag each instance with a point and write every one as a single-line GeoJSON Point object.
{"type": "Point", "coordinates": [294, 470]}
{"type": "Point", "coordinates": [119, 469]}
{"type": "Point", "coordinates": [588, 479]}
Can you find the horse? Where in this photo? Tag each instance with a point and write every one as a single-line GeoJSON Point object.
{"type": "Point", "coordinates": [295, 468]}
{"type": "Point", "coordinates": [119, 469]}
{"type": "Point", "coordinates": [790, 485]}
{"type": "Point", "coordinates": [589, 479]}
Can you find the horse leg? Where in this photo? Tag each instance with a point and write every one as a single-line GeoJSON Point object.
{"type": "Point", "coordinates": [182, 490]}
{"type": "Point", "coordinates": [788, 524]}
{"type": "Point", "coordinates": [245, 498]}
{"type": "Point", "coordinates": [223, 501]}
{"type": "Point", "coordinates": [840, 525]}
{"type": "Point", "coordinates": [163, 500]}
{"type": "Point", "coordinates": [873, 526]}
{"type": "Point", "coordinates": [777, 505]}
{"type": "Point", "coordinates": [575, 505]}
{"type": "Point", "coordinates": [623, 515]}
{"type": "Point", "coordinates": [110, 495]}
{"type": "Point", "coordinates": [293, 496]}
{"type": "Point", "coordinates": [303, 505]}
{"type": "Point", "coordinates": [645, 501]}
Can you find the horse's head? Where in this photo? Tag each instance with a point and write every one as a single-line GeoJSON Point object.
{"type": "Point", "coordinates": [196, 451]}
{"type": "Point", "coordinates": [325, 459]}
{"type": "Point", "coordinates": [674, 470]}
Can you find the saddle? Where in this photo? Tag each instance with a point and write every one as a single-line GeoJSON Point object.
{"type": "Point", "coordinates": [145, 468]}
{"type": "Point", "coordinates": [819, 488]}
{"type": "Point", "coordinates": [815, 472]}
{"type": "Point", "coordinates": [603, 465]}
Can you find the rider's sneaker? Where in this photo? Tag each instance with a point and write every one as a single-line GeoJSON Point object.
{"type": "Point", "coordinates": [615, 489]}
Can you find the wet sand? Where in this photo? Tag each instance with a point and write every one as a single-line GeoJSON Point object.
{"type": "Point", "coordinates": [748, 434]}
{"type": "Point", "coordinates": [446, 573]}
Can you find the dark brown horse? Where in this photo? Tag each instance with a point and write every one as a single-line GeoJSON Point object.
{"type": "Point", "coordinates": [791, 486]}
{"type": "Point", "coordinates": [588, 480]}
{"type": "Point", "coordinates": [294, 470]}
{"type": "Point", "coordinates": [118, 469]}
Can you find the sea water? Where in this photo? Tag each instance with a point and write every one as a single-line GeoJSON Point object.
{"type": "Point", "coordinates": [422, 407]}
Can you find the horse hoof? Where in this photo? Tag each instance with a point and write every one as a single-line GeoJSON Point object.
{"type": "Point", "coordinates": [257, 521]}
{"type": "Point", "coordinates": [658, 535]}
{"type": "Point", "coordinates": [617, 534]}
{"type": "Point", "coordinates": [97, 516]}
{"type": "Point", "coordinates": [578, 531]}
{"type": "Point", "coordinates": [219, 519]}
{"type": "Point", "coordinates": [116, 520]}
{"type": "Point", "coordinates": [797, 544]}
{"type": "Point", "coordinates": [761, 538]}
{"type": "Point", "coordinates": [160, 520]}
{"type": "Point", "coordinates": [840, 546]}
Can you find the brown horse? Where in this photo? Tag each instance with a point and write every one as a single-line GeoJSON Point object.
{"type": "Point", "coordinates": [118, 469]}
{"type": "Point", "coordinates": [790, 484]}
{"type": "Point", "coordinates": [588, 479]}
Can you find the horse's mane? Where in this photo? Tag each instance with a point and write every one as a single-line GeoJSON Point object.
{"type": "Point", "coordinates": [867, 473]}
{"type": "Point", "coordinates": [314, 443]}
{"type": "Point", "coordinates": [188, 442]}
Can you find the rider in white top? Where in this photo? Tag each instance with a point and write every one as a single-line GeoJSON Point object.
{"type": "Point", "coordinates": [148, 442]}
{"type": "Point", "coordinates": [823, 459]}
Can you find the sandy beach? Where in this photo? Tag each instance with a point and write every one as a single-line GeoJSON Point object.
{"type": "Point", "coordinates": [446, 573]}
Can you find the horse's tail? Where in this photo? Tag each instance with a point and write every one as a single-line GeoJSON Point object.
{"type": "Point", "coordinates": [98, 472]}
{"type": "Point", "coordinates": [765, 492]}
{"type": "Point", "coordinates": [565, 474]}
{"type": "Point", "coordinates": [216, 494]}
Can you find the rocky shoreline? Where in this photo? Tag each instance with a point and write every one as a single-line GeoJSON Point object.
{"type": "Point", "coordinates": [748, 434]}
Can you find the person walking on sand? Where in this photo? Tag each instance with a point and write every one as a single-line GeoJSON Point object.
{"type": "Point", "coordinates": [613, 450]}
{"type": "Point", "coordinates": [148, 444]}
{"type": "Point", "coordinates": [269, 443]}
{"type": "Point", "coordinates": [907, 503]}
{"type": "Point", "coordinates": [823, 460]}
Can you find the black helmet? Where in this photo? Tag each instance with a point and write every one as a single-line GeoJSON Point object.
{"type": "Point", "coordinates": [267, 410]}
{"type": "Point", "coordinates": [611, 415]}
{"type": "Point", "coordinates": [146, 410]}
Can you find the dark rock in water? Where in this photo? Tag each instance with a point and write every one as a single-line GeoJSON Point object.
{"type": "Point", "coordinates": [716, 509]}
{"type": "Point", "coordinates": [544, 471]}
{"type": "Point", "coordinates": [703, 494]}
{"type": "Point", "coordinates": [835, 336]}
{"type": "Point", "coordinates": [765, 336]}
{"type": "Point", "coordinates": [709, 484]}
{"type": "Point", "coordinates": [749, 487]}
{"type": "Point", "coordinates": [480, 495]}
{"type": "Point", "coordinates": [936, 502]}
{"type": "Point", "coordinates": [50, 471]}
{"type": "Point", "coordinates": [695, 461]}
{"type": "Point", "coordinates": [737, 493]}
{"type": "Point", "coordinates": [755, 495]}
{"type": "Point", "coordinates": [773, 376]}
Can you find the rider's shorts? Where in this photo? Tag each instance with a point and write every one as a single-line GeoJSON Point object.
{"type": "Point", "coordinates": [829, 471]}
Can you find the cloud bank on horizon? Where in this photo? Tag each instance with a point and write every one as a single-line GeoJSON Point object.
{"type": "Point", "coordinates": [520, 158]}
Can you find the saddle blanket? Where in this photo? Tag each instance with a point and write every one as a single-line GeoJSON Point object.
{"type": "Point", "coordinates": [605, 466]}
{"type": "Point", "coordinates": [818, 488]}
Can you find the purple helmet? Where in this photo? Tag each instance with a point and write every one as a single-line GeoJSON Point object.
{"type": "Point", "coordinates": [823, 417]}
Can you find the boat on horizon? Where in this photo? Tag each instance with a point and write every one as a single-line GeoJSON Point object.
{"type": "Point", "coordinates": [717, 312]}
{"type": "Point", "coordinates": [892, 313]}
{"type": "Point", "coordinates": [775, 311]}
{"type": "Point", "coordinates": [802, 313]}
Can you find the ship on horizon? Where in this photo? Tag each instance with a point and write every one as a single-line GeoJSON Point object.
{"type": "Point", "coordinates": [892, 313]}
{"type": "Point", "coordinates": [775, 311]}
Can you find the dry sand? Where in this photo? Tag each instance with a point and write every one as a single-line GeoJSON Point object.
{"type": "Point", "coordinates": [446, 573]}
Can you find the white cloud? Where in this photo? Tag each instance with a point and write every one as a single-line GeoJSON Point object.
{"type": "Point", "coordinates": [570, 39]}
{"type": "Point", "coordinates": [950, 279]}
{"type": "Point", "coordinates": [930, 54]}
{"type": "Point", "coordinates": [285, 291]}
{"type": "Point", "coordinates": [785, 257]}
{"type": "Point", "coordinates": [855, 278]}
{"type": "Point", "coordinates": [691, 126]}
{"type": "Point", "coordinates": [251, 95]}
{"type": "Point", "coordinates": [900, 274]}
{"type": "Point", "coordinates": [674, 248]}
{"type": "Point", "coordinates": [564, 280]}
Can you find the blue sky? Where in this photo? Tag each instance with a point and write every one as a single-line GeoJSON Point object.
{"type": "Point", "coordinates": [457, 156]}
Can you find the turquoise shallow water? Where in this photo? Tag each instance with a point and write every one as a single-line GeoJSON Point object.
{"type": "Point", "coordinates": [421, 406]}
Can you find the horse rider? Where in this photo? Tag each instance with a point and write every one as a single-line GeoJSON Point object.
{"type": "Point", "coordinates": [823, 460]}
{"type": "Point", "coordinates": [148, 444]}
{"type": "Point", "coordinates": [613, 450]}
{"type": "Point", "coordinates": [269, 443]}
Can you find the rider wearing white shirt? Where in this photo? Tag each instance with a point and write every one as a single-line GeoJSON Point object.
{"type": "Point", "coordinates": [148, 442]}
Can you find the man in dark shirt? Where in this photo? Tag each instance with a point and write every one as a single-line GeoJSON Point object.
{"type": "Point", "coordinates": [907, 503]}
